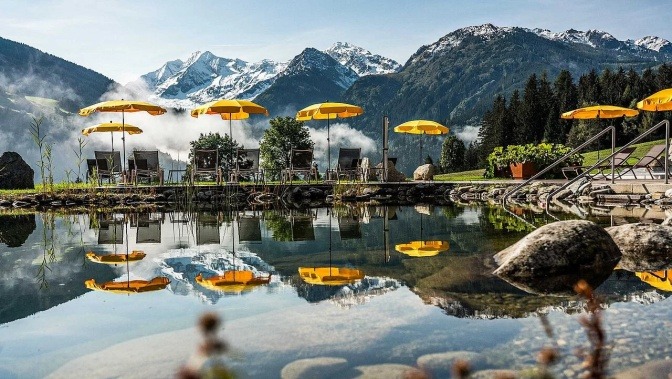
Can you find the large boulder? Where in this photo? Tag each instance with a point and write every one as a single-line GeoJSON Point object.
{"type": "Point", "coordinates": [424, 172]}
{"type": "Point", "coordinates": [551, 259]}
{"type": "Point", "coordinates": [15, 173]}
{"type": "Point", "coordinates": [393, 175]}
{"type": "Point", "coordinates": [645, 247]}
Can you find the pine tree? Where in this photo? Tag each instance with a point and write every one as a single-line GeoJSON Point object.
{"type": "Point", "coordinates": [452, 154]}
{"type": "Point", "coordinates": [567, 100]}
{"type": "Point", "coordinates": [532, 122]}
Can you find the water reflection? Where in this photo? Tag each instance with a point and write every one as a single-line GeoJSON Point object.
{"type": "Point", "coordinates": [129, 286]}
{"type": "Point", "coordinates": [343, 255]}
{"type": "Point", "coordinates": [15, 229]}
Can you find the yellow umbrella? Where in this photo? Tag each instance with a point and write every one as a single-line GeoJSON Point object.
{"type": "Point", "coordinates": [136, 255]}
{"type": "Point", "coordinates": [421, 127]}
{"type": "Point", "coordinates": [328, 111]}
{"type": "Point", "coordinates": [230, 110]}
{"type": "Point", "coordinates": [330, 276]}
{"type": "Point", "coordinates": [658, 279]}
{"type": "Point", "coordinates": [112, 127]}
{"type": "Point", "coordinates": [130, 286]}
{"type": "Point", "coordinates": [599, 112]}
{"type": "Point", "coordinates": [234, 281]}
{"type": "Point", "coordinates": [658, 102]}
{"type": "Point", "coordinates": [422, 248]}
{"type": "Point", "coordinates": [123, 106]}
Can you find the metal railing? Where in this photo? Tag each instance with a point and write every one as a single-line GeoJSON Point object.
{"type": "Point", "coordinates": [576, 150]}
{"type": "Point", "coordinates": [637, 139]}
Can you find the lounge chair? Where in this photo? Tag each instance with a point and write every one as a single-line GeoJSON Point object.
{"type": "Point", "coordinates": [108, 165]}
{"type": "Point", "coordinates": [349, 161]}
{"type": "Point", "coordinates": [146, 165]}
{"type": "Point", "coordinates": [603, 171]}
{"type": "Point", "coordinates": [207, 228]}
{"type": "Point", "coordinates": [349, 227]}
{"type": "Point", "coordinates": [110, 229]}
{"type": "Point", "coordinates": [206, 163]}
{"type": "Point", "coordinates": [300, 163]}
{"type": "Point", "coordinates": [653, 158]}
{"type": "Point", "coordinates": [247, 166]}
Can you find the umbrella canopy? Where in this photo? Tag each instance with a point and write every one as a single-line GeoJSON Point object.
{"type": "Point", "coordinates": [234, 281]}
{"type": "Point", "coordinates": [658, 279]}
{"type": "Point", "coordinates": [330, 276]}
{"type": "Point", "coordinates": [421, 127]}
{"type": "Point", "coordinates": [328, 111]}
{"type": "Point", "coordinates": [422, 248]}
{"type": "Point", "coordinates": [599, 112]}
{"type": "Point", "coordinates": [123, 106]}
{"type": "Point", "coordinates": [130, 286]}
{"type": "Point", "coordinates": [112, 127]}
{"type": "Point", "coordinates": [230, 109]}
{"type": "Point", "coordinates": [658, 102]}
{"type": "Point", "coordinates": [136, 255]}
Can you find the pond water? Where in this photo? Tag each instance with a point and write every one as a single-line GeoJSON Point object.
{"type": "Point", "coordinates": [352, 290]}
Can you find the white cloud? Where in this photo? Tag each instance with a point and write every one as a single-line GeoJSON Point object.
{"type": "Point", "coordinates": [341, 135]}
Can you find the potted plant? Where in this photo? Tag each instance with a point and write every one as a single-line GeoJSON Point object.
{"type": "Point", "coordinates": [522, 160]}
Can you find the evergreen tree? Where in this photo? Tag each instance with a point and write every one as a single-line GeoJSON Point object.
{"type": "Point", "coordinates": [589, 89]}
{"type": "Point", "coordinates": [472, 157]}
{"type": "Point", "coordinates": [496, 128]}
{"type": "Point", "coordinates": [452, 154]}
{"type": "Point", "coordinates": [284, 134]}
{"type": "Point", "coordinates": [532, 121]}
{"type": "Point", "coordinates": [567, 99]}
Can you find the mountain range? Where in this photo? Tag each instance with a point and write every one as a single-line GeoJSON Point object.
{"type": "Point", "coordinates": [452, 80]}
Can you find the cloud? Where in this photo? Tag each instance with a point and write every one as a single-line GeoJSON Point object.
{"type": "Point", "coordinates": [468, 134]}
{"type": "Point", "coordinates": [341, 135]}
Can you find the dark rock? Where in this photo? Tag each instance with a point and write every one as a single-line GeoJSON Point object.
{"type": "Point", "coordinates": [551, 259]}
{"type": "Point", "coordinates": [424, 172]}
{"type": "Point", "coordinates": [15, 230]}
{"type": "Point", "coordinates": [15, 173]}
{"type": "Point", "coordinates": [645, 247]}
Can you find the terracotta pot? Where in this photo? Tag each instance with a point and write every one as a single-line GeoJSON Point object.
{"type": "Point", "coordinates": [523, 170]}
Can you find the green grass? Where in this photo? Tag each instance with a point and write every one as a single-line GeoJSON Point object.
{"type": "Point", "coordinates": [463, 176]}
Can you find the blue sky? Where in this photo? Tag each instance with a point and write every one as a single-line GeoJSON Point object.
{"type": "Point", "coordinates": [124, 39]}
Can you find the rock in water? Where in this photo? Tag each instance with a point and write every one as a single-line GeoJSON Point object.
{"type": "Point", "coordinates": [551, 259]}
{"type": "Point", "coordinates": [15, 173]}
{"type": "Point", "coordinates": [424, 172]}
{"type": "Point", "coordinates": [645, 247]}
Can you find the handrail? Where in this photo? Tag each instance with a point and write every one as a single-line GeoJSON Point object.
{"type": "Point", "coordinates": [635, 140]}
{"type": "Point", "coordinates": [577, 149]}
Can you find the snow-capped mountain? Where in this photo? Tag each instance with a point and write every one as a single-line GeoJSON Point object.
{"type": "Point", "coordinates": [658, 44]}
{"type": "Point", "coordinates": [362, 61]}
{"type": "Point", "coordinates": [205, 77]}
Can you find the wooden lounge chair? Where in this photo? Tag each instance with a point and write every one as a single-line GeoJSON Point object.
{"type": "Point", "coordinates": [247, 166]}
{"type": "Point", "coordinates": [108, 165]}
{"type": "Point", "coordinates": [300, 164]}
{"type": "Point", "coordinates": [206, 163]}
{"type": "Point", "coordinates": [349, 161]}
{"type": "Point", "coordinates": [146, 165]}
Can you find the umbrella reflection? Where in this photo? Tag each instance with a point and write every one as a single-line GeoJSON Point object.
{"type": "Point", "coordinates": [129, 286]}
{"type": "Point", "coordinates": [136, 255]}
{"type": "Point", "coordinates": [330, 276]}
{"type": "Point", "coordinates": [422, 248]}
{"type": "Point", "coordinates": [234, 281]}
{"type": "Point", "coordinates": [661, 280]}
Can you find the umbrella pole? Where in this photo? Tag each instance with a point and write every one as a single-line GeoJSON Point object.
{"type": "Point", "coordinates": [422, 137]}
{"type": "Point", "coordinates": [112, 138]}
{"type": "Point", "coordinates": [231, 162]}
{"type": "Point", "coordinates": [329, 240]}
{"type": "Point", "coordinates": [328, 150]}
{"type": "Point", "coordinates": [123, 143]}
